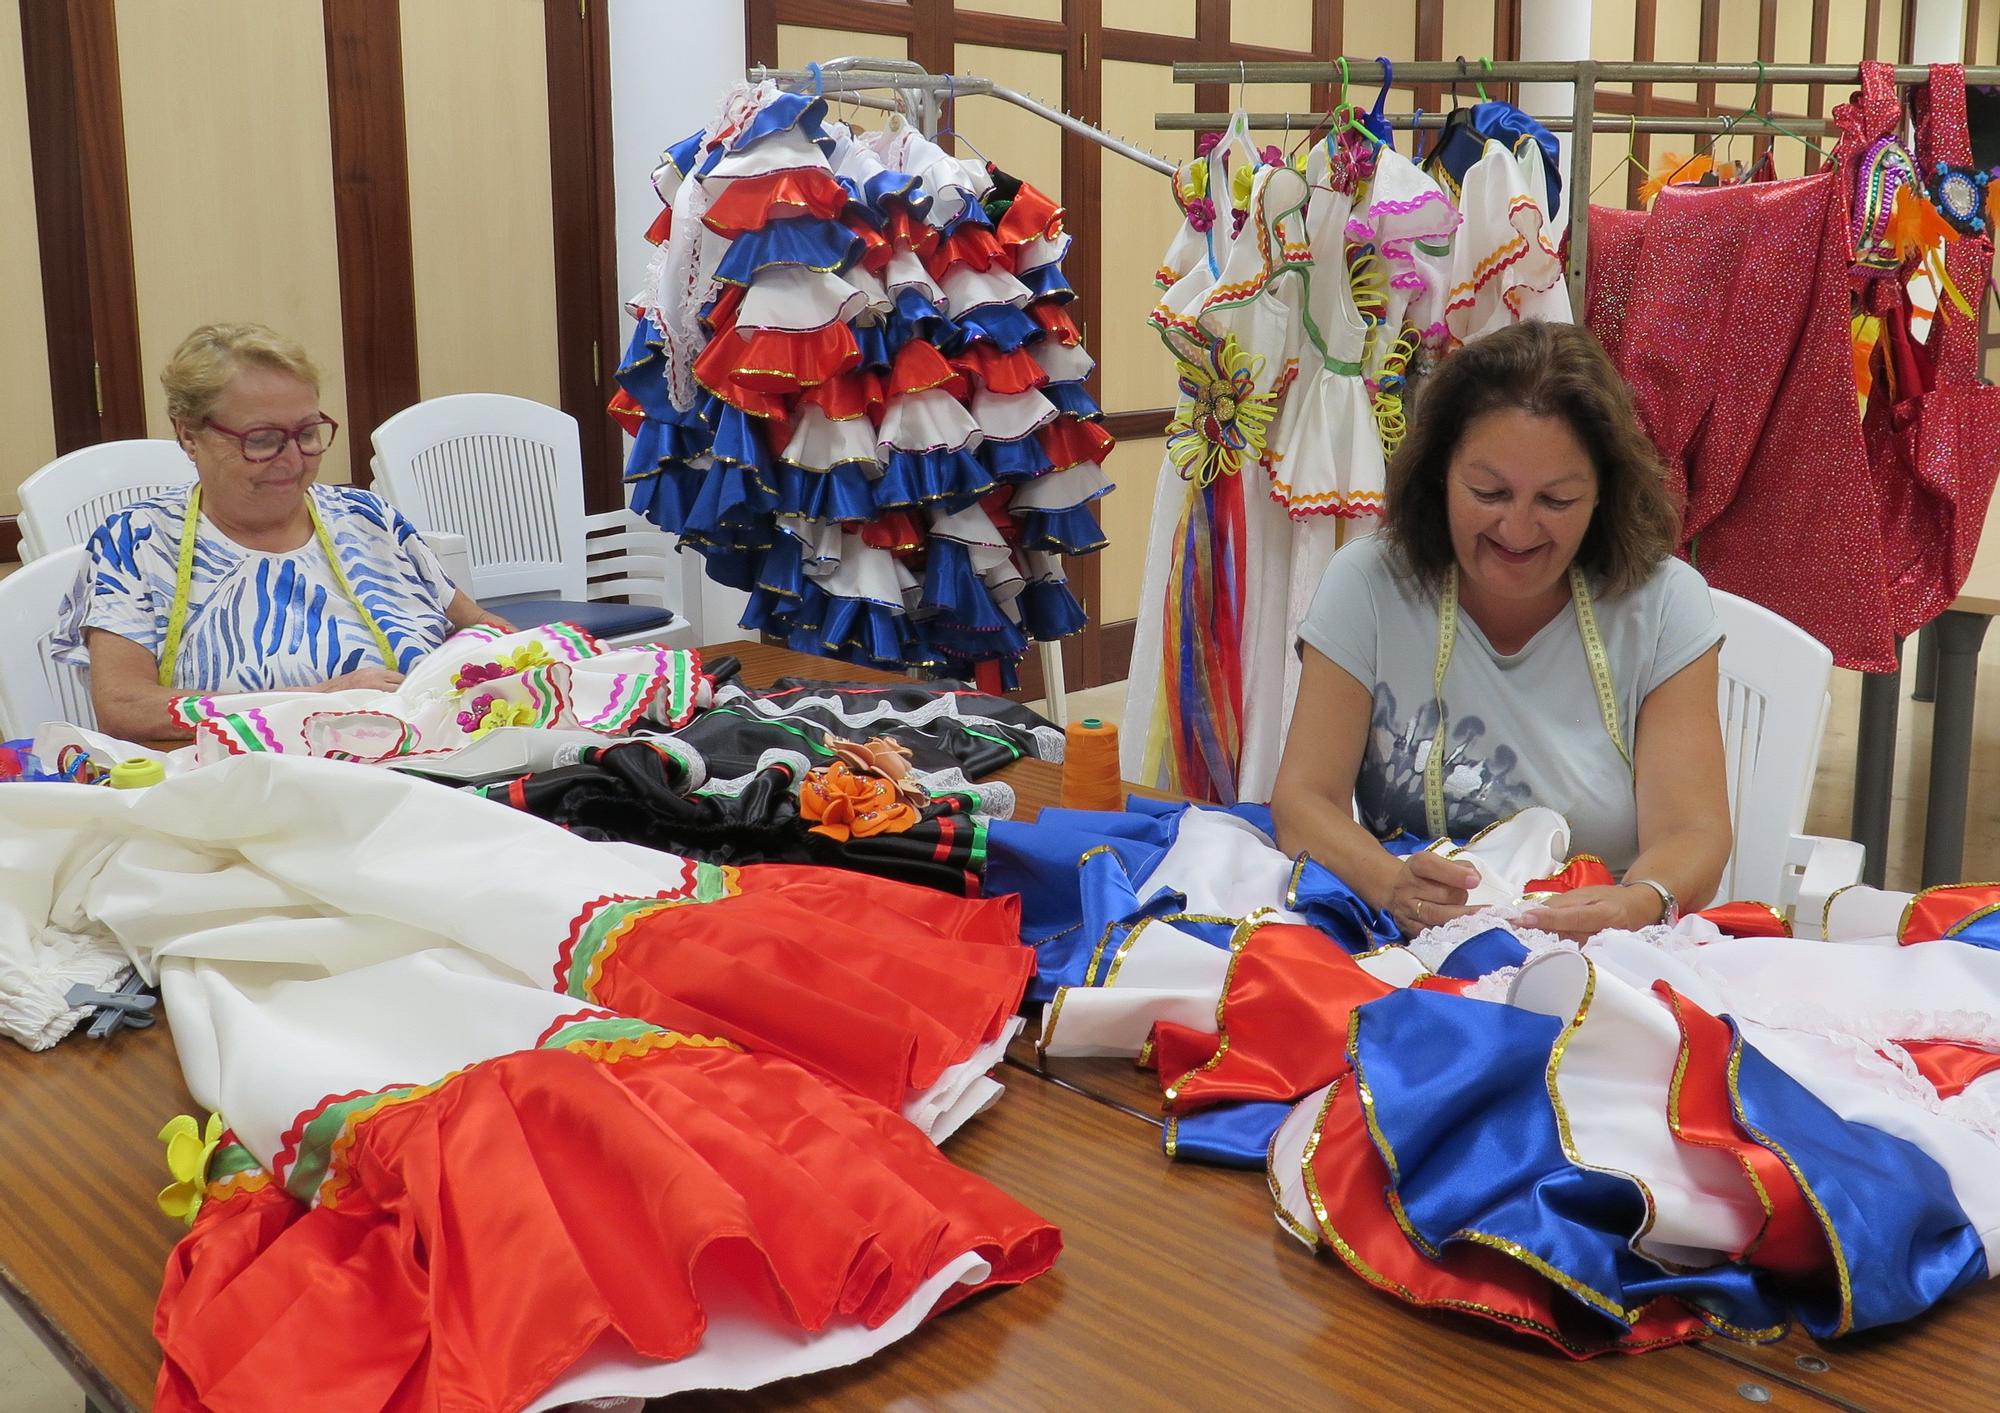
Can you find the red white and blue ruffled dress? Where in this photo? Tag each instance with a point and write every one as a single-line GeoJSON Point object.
{"type": "Point", "coordinates": [857, 392]}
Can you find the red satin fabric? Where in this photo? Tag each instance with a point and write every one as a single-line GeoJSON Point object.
{"type": "Point", "coordinates": [1471, 1279]}
{"type": "Point", "coordinates": [1070, 442]}
{"type": "Point", "coordinates": [1015, 372]}
{"type": "Point", "coordinates": [780, 361]}
{"type": "Point", "coordinates": [1584, 872]}
{"type": "Point", "coordinates": [1747, 920]}
{"type": "Point", "coordinates": [751, 203]}
{"type": "Point", "coordinates": [492, 1232]}
{"type": "Point", "coordinates": [861, 393]}
{"type": "Point", "coordinates": [1032, 215]}
{"type": "Point", "coordinates": [1792, 1241]}
{"type": "Point", "coordinates": [1053, 317]}
{"type": "Point", "coordinates": [1951, 1066]}
{"type": "Point", "coordinates": [970, 245]}
{"type": "Point", "coordinates": [877, 985]}
{"type": "Point", "coordinates": [920, 367]}
{"type": "Point", "coordinates": [1934, 912]}
{"type": "Point", "coordinates": [1284, 1015]}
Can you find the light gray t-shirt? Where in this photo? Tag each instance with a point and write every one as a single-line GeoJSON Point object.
{"type": "Point", "coordinates": [1522, 728]}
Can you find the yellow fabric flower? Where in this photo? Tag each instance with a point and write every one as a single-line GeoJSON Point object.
{"type": "Point", "coordinates": [505, 714]}
{"type": "Point", "coordinates": [1222, 419]}
{"type": "Point", "coordinates": [529, 655]}
{"type": "Point", "coordinates": [1240, 182]}
{"type": "Point", "coordinates": [189, 1147]}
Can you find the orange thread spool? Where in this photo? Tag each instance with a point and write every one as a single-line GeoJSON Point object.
{"type": "Point", "coordinates": [1090, 779]}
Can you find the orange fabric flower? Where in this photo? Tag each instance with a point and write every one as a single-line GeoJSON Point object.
{"type": "Point", "coordinates": [881, 756]}
{"type": "Point", "coordinates": [849, 804]}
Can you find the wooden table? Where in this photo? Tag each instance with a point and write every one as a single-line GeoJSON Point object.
{"type": "Point", "coordinates": [1175, 1286]}
{"type": "Point", "coordinates": [1947, 674]}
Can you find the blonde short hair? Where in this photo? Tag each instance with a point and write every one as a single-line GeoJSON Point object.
{"type": "Point", "coordinates": [210, 356]}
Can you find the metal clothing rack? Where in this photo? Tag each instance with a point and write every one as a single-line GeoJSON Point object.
{"type": "Point", "coordinates": [918, 91]}
{"type": "Point", "coordinates": [1584, 75]}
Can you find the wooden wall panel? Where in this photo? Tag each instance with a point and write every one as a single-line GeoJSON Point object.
{"type": "Point", "coordinates": [1677, 39]}
{"type": "Point", "coordinates": [799, 45]}
{"type": "Point", "coordinates": [1135, 370]}
{"type": "Point", "coordinates": [226, 133]}
{"type": "Point", "coordinates": [1468, 30]}
{"type": "Point", "coordinates": [1277, 24]}
{"type": "Point", "coordinates": [1151, 16]}
{"type": "Point", "coordinates": [481, 219]}
{"type": "Point", "coordinates": [371, 206]}
{"type": "Point", "coordinates": [1016, 9]}
{"type": "Point", "coordinates": [1134, 467]}
{"type": "Point", "coordinates": [27, 430]}
{"type": "Point", "coordinates": [1019, 141]}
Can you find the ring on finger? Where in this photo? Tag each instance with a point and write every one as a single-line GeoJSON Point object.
{"type": "Point", "coordinates": [1417, 910]}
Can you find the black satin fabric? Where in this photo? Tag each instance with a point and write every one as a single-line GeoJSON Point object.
{"type": "Point", "coordinates": [635, 794]}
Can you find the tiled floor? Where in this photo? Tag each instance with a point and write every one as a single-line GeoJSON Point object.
{"type": "Point", "coordinates": [30, 1379]}
{"type": "Point", "coordinates": [32, 1382]}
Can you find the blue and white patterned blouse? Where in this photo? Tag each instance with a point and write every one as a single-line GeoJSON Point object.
{"type": "Point", "coordinates": [256, 620]}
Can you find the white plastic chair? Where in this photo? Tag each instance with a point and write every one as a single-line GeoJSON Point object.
{"type": "Point", "coordinates": [1774, 701]}
{"type": "Point", "coordinates": [65, 501]}
{"type": "Point", "coordinates": [507, 474]}
{"type": "Point", "coordinates": [34, 687]}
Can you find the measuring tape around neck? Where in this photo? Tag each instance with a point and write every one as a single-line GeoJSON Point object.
{"type": "Point", "coordinates": [170, 650]}
{"type": "Point", "coordinates": [1593, 651]}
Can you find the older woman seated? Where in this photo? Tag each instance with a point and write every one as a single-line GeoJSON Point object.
{"type": "Point", "coordinates": [255, 578]}
{"type": "Point", "coordinates": [1518, 634]}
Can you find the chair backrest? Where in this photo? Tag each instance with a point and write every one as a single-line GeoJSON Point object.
{"type": "Point", "coordinates": [66, 500]}
{"type": "Point", "coordinates": [504, 472]}
{"type": "Point", "coordinates": [1774, 701]}
{"type": "Point", "coordinates": [34, 687]}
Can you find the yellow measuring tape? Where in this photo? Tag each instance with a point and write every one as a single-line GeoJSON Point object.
{"type": "Point", "coordinates": [1593, 651]}
{"type": "Point", "coordinates": [170, 651]}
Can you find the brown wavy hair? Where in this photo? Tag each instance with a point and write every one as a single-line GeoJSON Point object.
{"type": "Point", "coordinates": [1548, 370]}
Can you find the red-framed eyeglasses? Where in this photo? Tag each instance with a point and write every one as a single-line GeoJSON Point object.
{"type": "Point", "coordinates": [268, 443]}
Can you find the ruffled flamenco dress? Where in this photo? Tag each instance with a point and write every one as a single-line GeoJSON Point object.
{"type": "Point", "coordinates": [517, 1119]}
{"type": "Point", "coordinates": [1663, 1135]}
{"type": "Point", "coordinates": [878, 427]}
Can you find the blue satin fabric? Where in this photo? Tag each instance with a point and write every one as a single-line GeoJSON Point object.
{"type": "Point", "coordinates": [1073, 530]}
{"type": "Point", "coordinates": [683, 155]}
{"type": "Point", "coordinates": [788, 110]}
{"type": "Point", "coordinates": [1049, 610]}
{"type": "Point", "coordinates": [1228, 1135]}
{"type": "Point", "coordinates": [1980, 932]}
{"type": "Point", "coordinates": [1016, 459]}
{"type": "Point", "coordinates": [1462, 144]}
{"type": "Point", "coordinates": [802, 240]}
{"type": "Point", "coordinates": [1458, 1092]}
{"type": "Point", "coordinates": [1066, 907]}
{"type": "Point", "coordinates": [1072, 398]}
{"type": "Point", "coordinates": [1907, 1242]}
{"type": "Point", "coordinates": [1488, 951]}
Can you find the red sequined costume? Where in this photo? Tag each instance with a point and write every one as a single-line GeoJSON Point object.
{"type": "Point", "coordinates": [1728, 311]}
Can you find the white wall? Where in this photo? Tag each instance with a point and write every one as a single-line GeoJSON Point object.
{"type": "Point", "coordinates": [671, 60]}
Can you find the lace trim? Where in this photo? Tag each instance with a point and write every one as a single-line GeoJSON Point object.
{"type": "Point", "coordinates": [1048, 739]}
{"type": "Point", "coordinates": [1872, 1039]}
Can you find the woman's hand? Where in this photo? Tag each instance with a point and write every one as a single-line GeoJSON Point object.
{"type": "Point", "coordinates": [371, 679]}
{"type": "Point", "coordinates": [488, 618]}
{"type": "Point", "coordinates": [1585, 912]}
{"type": "Point", "coordinates": [1430, 889]}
